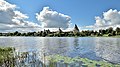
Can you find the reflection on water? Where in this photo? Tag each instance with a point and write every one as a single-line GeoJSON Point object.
{"type": "Point", "coordinates": [94, 48]}
{"type": "Point", "coordinates": [108, 49]}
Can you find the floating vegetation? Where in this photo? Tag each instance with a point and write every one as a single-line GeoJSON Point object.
{"type": "Point", "coordinates": [77, 62]}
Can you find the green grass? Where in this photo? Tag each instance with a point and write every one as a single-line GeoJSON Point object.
{"type": "Point", "coordinates": [118, 36]}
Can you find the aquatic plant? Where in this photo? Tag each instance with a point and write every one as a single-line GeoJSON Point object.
{"type": "Point", "coordinates": [78, 61]}
{"type": "Point", "coordinates": [10, 58]}
{"type": "Point", "coordinates": [7, 57]}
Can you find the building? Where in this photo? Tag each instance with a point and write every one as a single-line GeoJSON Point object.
{"type": "Point", "coordinates": [76, 29]}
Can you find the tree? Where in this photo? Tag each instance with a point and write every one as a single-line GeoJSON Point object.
{"type": "Point", "coordinates": [101, 31]}
{"type": "Point", "coordinates": [15, 33]}
{"type": "Point", "coordinates": [109, 30]}
{"type": "Point", "coordinates": [44, 33]}
{"type": "Point", "coordinates": [117, 31]}
{"type": "Point", "coordinates": [60, 31]}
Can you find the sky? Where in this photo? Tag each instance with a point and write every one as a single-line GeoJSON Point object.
{"type": "Point", "coordinates": [87, 14]}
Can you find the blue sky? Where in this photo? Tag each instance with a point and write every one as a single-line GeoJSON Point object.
{"type": "Point", "coordinates": [36, 15]}
{"type": "Point", "coordinates": [82, 12]}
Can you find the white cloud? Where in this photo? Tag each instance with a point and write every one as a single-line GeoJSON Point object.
{"type": "Point", "coordinates": [53, 19]}
{"type": "Point", "coordinates": [19, 15]}
{"type": "Point", "coordinates": [6, 6]}
{"type": "Point", "coordinates": [99, 22]}
{"type": "Point", "coordinates": [111, 18]}
{"type": "Point", "coordinates": [10, 18]}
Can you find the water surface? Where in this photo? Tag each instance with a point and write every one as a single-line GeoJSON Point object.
{"type": "Point", "coordinates": [94, 48]}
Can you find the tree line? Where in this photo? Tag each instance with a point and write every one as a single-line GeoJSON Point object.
{"type": "Point", "coordinates": [60, 33]}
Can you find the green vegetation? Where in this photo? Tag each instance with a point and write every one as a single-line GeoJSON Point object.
{"type": "Point", "coordinates": [77, 61]}
{"type": "Point", "coordinates": [75, 33]}
{"type": "Point", "coordinates": [7, 57]}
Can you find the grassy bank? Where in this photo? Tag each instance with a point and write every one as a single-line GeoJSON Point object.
{"type": "Point", "coordinates": [117, 36]}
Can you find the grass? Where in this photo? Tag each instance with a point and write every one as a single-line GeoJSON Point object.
{"type": "Point", "coordinates": [118, 36]}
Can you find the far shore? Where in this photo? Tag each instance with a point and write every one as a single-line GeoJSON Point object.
{"type": "Point", "coordinates": [67, 36]}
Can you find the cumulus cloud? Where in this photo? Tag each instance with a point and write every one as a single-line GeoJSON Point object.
{"type": "Point", "coordinates": [11, 18]}
{"type": "Point", "coordinates": [5, 5]}
{"type": "Point", "coordinates": [53, 19]}
{"type": "Point", "coordinates": [111, 18]}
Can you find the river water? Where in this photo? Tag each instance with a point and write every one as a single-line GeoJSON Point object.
{"type": "Point", "coordinates": [94, 48]}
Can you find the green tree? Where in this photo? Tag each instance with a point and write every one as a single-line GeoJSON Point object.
{"type": "Point", "coordinates": [15, 33]}
{"type": "Point", "coordinates": [117, 31]}
{"type": "Point", "coordinates": [109, 30]}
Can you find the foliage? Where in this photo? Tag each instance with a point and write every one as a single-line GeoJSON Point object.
{"type": "Point", "coordinates": [74, 33]}
{"type": "Point", "coordinates": [7, 57]}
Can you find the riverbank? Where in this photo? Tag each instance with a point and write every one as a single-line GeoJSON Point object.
{"type": "Point", "coordinates": [118, 36]}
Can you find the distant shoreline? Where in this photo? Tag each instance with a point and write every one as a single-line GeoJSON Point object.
{"type": "Point", "coordinates": [110, 32]}
{"type": "Point", "coordinates": [71, 36]}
